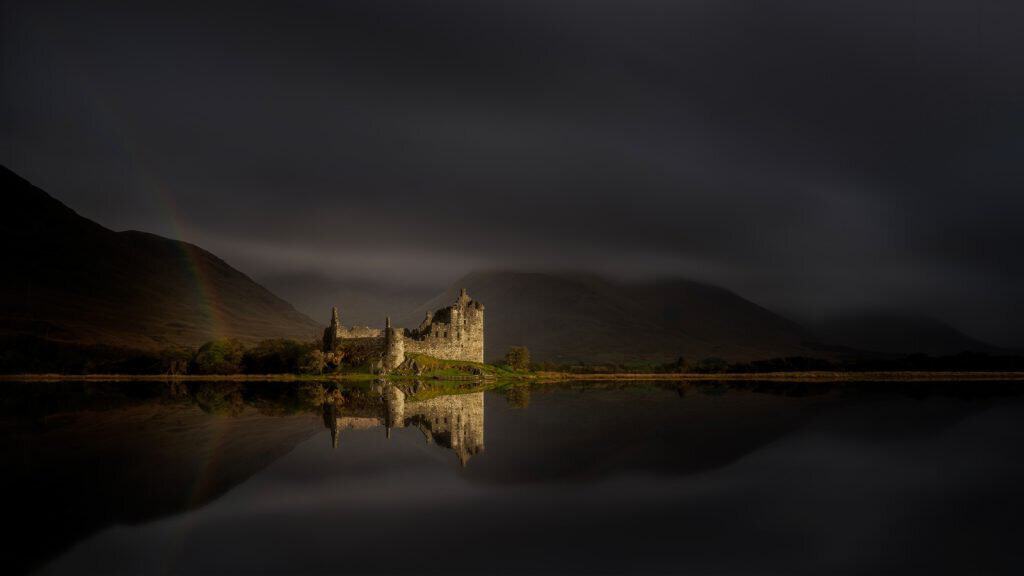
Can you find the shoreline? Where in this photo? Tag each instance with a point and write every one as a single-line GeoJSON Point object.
{"type": "Point", "coordinates": [545, 377]}
{"type": "Point", "coordinates": [811, 376]}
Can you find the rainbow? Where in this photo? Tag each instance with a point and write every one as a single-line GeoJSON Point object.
{"type": "Point", "coordinates": [207, 297]}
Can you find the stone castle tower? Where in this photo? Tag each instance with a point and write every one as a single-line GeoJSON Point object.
{"type": "Point", "coordinates": [394, 347]}
{"type": "Point", "coordinates": [332, 334]}
{"type": "Point", "coordinates": [452, 333]}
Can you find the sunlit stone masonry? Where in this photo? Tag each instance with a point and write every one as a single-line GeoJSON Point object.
{"type": "Point", "coordinates": [455, 332]}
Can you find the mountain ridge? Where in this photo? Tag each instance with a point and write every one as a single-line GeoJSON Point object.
{"type": "Point", "coordinates": [73, 280]}
{"type": "Point", "coordinates": [572, 317]}
{"type": "Point", "coordinates": [897, 332]}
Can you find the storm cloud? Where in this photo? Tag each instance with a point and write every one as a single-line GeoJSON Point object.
{"type": "Point", "coordinates": [810, 155]}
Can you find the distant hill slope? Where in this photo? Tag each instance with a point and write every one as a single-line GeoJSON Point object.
{"type": "Point", "coordinates": [579, 318]}
{"type": "Point", "coordinates": [897, 333]}
{"type": "Point", "coordinates": [69, 279]}
{"type": "Point", "coordinates": [360, 302]}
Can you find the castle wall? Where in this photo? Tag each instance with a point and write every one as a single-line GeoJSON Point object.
{"type": "Point", "coordinates": [360, 351]}
{"type": "Point", "coordinates": [359, 332]}
{"type": "Point", "coordinates": [447, 348]}
{"type": "Point", "coordinates": [336, 333]}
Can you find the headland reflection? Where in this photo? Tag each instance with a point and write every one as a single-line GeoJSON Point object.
{"type": "Point", "coordinates": [215, 477]}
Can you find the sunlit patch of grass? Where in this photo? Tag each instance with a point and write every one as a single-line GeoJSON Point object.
{"type": "Point", "coordinates": [423, 366]}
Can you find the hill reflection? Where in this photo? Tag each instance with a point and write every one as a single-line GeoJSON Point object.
{"type": "Point", "coordinates": [99, 455]}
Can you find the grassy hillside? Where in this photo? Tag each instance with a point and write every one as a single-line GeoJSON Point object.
{"type": "Point", "coordinates": [68, 279]}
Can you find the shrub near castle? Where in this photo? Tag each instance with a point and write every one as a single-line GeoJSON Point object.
{"type": "Point", "coordinates": [518, 358]}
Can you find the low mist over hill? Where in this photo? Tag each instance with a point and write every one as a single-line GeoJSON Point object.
{"type": "Point", "coordinates": [360, 302]}
{"type": "Point", "coordinates": [572, 317]}
{"type": "Point", "coordinates": [69, 279]}
{"type": "Point", "coordinates": [72, 280]}
{"type": "Point", "coordinates": [581, 318]}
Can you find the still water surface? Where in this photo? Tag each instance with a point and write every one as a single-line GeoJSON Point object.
{"type": "Point", "coordinates": [689, 478]}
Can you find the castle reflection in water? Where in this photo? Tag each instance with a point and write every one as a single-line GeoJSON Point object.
{"type": "Point", "coordinates": [455, 422]}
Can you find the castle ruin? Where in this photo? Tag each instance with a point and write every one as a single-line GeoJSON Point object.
{"type": "Point", "coordinates": [454, 332]}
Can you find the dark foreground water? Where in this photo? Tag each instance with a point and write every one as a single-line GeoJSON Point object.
{"type": "Point", "coordinates": [589, 478]}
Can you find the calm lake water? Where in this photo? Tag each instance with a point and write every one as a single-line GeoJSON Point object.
{"type": "Point", "coordinates": [714, 478]}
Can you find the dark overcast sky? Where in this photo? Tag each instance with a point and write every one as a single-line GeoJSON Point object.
{"type": "Point", "coordinates": [809, 154]}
